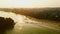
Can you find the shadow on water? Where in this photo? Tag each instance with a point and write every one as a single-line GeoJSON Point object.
{"type": "Point", "coordinates": [6, 24]}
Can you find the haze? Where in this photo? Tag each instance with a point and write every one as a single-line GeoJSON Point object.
{"type": "Point", "coordinates": [29, 3]}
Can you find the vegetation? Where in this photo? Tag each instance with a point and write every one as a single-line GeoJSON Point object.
{"type": "Point", "coordinates": [6, 24]}
{"type": "Point", "coordinates": [40, 13]}
{"type": "Point", "coordinates": [49, 14]}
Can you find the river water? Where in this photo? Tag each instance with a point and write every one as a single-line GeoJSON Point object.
{"type": "Point", "coordinates": [26, 25]}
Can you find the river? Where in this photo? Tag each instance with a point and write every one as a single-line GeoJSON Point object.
{"type": "Point", "coordinates": [29, 25]}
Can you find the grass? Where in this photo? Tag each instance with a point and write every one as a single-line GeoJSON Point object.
{"type": "Point", "coordinates": [34, 30]}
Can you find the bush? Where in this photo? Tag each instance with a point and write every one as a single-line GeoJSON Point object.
{"type": "Point", "coordinates": [6, 24]}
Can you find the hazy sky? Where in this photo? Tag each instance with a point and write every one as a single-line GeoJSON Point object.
{"type": "Point", "coordinates": [29, 3]}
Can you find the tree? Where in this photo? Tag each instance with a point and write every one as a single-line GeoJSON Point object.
{"type": "Point", "coordinates": [6, 24]}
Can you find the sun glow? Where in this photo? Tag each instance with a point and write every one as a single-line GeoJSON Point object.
{"type": "Point", "coordinates": [16, 17]}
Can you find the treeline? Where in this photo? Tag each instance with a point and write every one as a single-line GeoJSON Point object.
{"type": "Point", "coordinates": [6, 24]}
{"type": "Point", "coordinates": [51, 14]}
{"type": "Point", "coordinates": [40, 13]}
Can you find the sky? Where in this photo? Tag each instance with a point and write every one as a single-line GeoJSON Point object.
{"type": "Point", "coordinates": [29, 3]}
